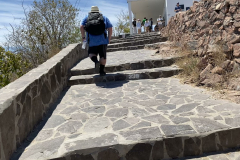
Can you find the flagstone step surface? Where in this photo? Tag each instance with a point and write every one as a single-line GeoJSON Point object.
{"type": "Point", "coordinates": [142, 120]}
{"type": "Point", "coordinates": [137, 42]}
{"type": "Point", "coordinates": [125, 60]}
{"type": "Point", "coordinates": [135, 39]}
{"type": "Point", "coordinates": [140, 35]}
{"type": "Point", "coordinates": [137, 47]}
{"type": "Point", "coordinates": [133, 45]}
{"type": "Point", "coordinates": [125, 75]}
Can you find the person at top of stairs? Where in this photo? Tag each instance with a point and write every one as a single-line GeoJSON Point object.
{"type": "Point", "coordinates": [139, 26]}
{"type": "Point", "coordinates": [143, 23]}
{"type": "Point", "coordinates": [134, 23]}
{"type": "Point", "coordinates": [150, 25]}
{"type": "Point", "coordinates": [96, 25]}
{"type": "Point", "coordinates": [147, 25]}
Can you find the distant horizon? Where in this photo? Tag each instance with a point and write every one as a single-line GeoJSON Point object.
{"type": "Point", "coordinates": [11, 12]}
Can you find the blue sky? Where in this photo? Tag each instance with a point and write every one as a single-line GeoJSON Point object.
{"type": "Point", "coordinates": [11, 11]}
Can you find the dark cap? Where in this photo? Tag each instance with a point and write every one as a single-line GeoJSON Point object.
{"type": "Point", "coordinates": [178, 3]}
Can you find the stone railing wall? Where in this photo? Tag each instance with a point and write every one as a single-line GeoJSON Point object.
{"type": "Point", "coordinates": [24, 102]}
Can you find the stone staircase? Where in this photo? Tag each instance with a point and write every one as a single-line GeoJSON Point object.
{"type": "Point", "coordinates": [134, 42]}
{"type": "Point", "coordinates": [132, 69]}
{"type": "Point", "coordinates": [136, 115]}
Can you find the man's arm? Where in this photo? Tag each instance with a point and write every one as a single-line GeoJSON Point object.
{"type": "Point", "coordinates": [82, 32]}
{"type": "Point", "coordinates": [109, 34]}
{"type": "Point", "coordinates": [175, 10]}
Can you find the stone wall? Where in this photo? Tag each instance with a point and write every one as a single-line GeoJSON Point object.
{"type": "Point", "coordinates": [207, 25]}
{"type": "Point", "coordinates": [24, 102]}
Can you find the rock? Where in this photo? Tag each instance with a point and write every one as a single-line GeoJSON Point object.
{"type": "Point", "coordinates": [157, 119]}
{"type": "Point", "coordinates": [117, 112]}
{"type": "Point", "coordinates": [218, 7]}
{"type": "Point", "coordinates": [139, 152]}
{"type": "Point", "coordinates": [205, 72]}
{"type": "Point", "coordinates": [158, 150]}
{"type": "Point", "coordinates": [202, 63]}
{"type": "Point", "coordinates": [46, 93]}
{"type": "Point", "coordinates": [121, 124]}
{"type": "Point", "coordinates": [237, 60]}
{"type": "Point", "coordinates": [234, 39]}
{"type": "Point", "coordinates": [203, 125]}
{"type": "Point", "coordinates": [97, 124]}
{"type": "Point", "coordinates": [234, 84]}
{"type": "Point", "coordinates": [217, 70]}
{"type": "Point", "coordinates": [141, 125]}
{"type": "Point", "coordinates": [191, 147]}
{"type": "Point", "coordinates": [70, 127]}
{"type": "Point", "coordinates": [236, 17]}
{"type": "Point", "coordinates": [174, 147]}
{"type": "Point", "coordinates": [236, 50]}
{"type": "Point", "coordinates": [236, 68]}
{"type": "Point", "coordinates": [142, 134]}
{"type": "Point", "coordinates": [173, 130]}
{"type": "Point", "coordinates": [43, 149]}
{"type": "Point", "coordinates": [185, 108]}
{"type": "Point", "coordinates": [212, 80]}
{"type": "Point", "coordinates": [7, 127]}
{"type": "Point", "coordinates": [225, 65]}
{"type": "Point", "coordinates": [111, 154]}
{"type": "Point", "coordinates": [209, 143]}
{"type": "Point", "coordinates": [54, 121]}
{"type": "Point", "coordinates": [236, 24]}
{"type": "Point", "coordinates": [103, 140]}
{"type": "Point", "coordinates": [81, 157]}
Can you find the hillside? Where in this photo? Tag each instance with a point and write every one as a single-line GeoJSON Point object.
{"type": "Point", "coordinates": [211, 30]}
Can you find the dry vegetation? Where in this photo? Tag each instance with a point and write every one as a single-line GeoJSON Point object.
{"type": "Point", "coordinates": [193, 66]}
{"type": "Point", "coordinates": [189, 65]}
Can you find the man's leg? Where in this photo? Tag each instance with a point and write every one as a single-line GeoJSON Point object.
{"type": "Point", "coordinates": [103, 59]}
{"type": "Point", "coordinates": [93, 57]}
{"type": "Point", "coordinates": [93, 52]}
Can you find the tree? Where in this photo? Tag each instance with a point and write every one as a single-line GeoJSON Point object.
{"type": "Point", "coordinates": [122, 25]}
{"type": "Point", "coordinates": [48, 26]}
{"type": "Point", "coordinates": [12, 66]}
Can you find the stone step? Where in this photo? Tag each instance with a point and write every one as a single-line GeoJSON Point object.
{"type": "Point", "coordinates": [150, 119]}
{"type": "Point", "coordinates": [125, 48]}
{"type": "Point", "coordinates": [133, 45]}
{"type": "Point", "coordinates": [146, 64]}
{"type": "Point", "coordinates": [141, 35]}
{"type": "Point", "coordinates": [133, 39]}
{"type": "Point", "coordinates": [125, 75]}
{"type": "Point", "coordinates": [137, 42]}
{"type": "Point", "coordinates": [154, 46]}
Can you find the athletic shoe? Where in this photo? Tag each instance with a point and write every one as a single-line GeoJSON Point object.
{"type": "Point", "coordinates": [97, 67]}
{"type": "Point", "coordinates": [102, 73]}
